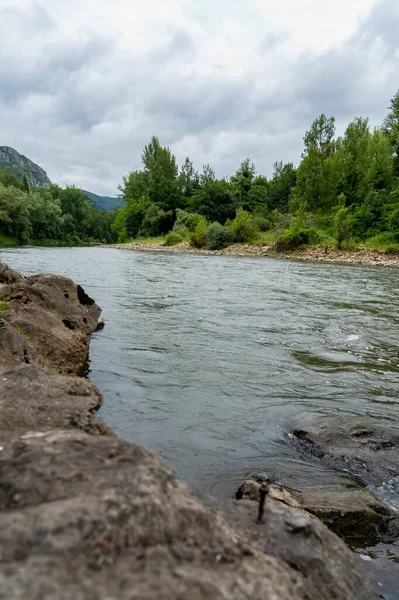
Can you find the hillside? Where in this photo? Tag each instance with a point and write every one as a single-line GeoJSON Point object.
{"type": "Point", "coordinates": [104, 202]}
{"type": "Point", "coordinates": [20, 164]}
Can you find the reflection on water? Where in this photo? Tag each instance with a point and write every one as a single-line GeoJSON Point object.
{"type": "Point", "coordinates": [210, 360]}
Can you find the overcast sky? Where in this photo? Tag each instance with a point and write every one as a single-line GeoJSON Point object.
{"type": "Point", "coordinates": [84, 84]}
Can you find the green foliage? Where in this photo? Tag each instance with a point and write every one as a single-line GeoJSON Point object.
{"type": "Point", "coordinates": [198, 236]}
{"type": "Point", "coordinates": [341, 226]}
{"type": "Point", "coordinates": [187, 219]}
{"type": "Point", "coordinates": [294, 238]}
{"type": "Point", "coordinates": [173, 238]}
{"type": "Point", "coordinates": [25, 184]}
{"type": "Point", "coordinates": [7, 179]}
{"type": "Point", "coordinates": [217, 236]}
{"type": "Point", "coordinates": [243, 227]}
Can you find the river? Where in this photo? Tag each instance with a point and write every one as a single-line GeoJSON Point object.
{"type": "Point", "coordinates": [210, 360]}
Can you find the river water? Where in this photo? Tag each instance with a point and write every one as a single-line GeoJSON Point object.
{"type": "Point", "coordinates": [210, 360]}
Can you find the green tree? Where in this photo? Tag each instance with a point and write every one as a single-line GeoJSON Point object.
{"type": "Point", "coordinates": [281, 185]}
{"type": "Point", "coordinates": [242, 182]}
{"type": "Point", "coordinates": [320, 137]}
{"type": "Point", "coordinates": [25, 184]}
{"type": "Point", "coordinates": [391, 129]}
{"type": "Point", "coordinates": [161, 175]}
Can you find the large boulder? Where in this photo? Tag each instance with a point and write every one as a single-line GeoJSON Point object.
{"type": "Point", "coordinates": [93, 517]}
{"type": "Point", "coordinates": [53, 318]}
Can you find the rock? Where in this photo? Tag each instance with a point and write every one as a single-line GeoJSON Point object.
{"type": "Point", "coordinates": [54, 319]}
{"type": "Point", "coordinates": [8, 275]}
{"type": "Point", "coordinates": [94, 517]}
{"type": "Point", "coordinates": [249, 490]}
{"type": "Point", "coordinates": [358, 447]}
{"type": "Point", "coordinates": [13, 348]}
{"type": "Point", "coordinates": [31, 399]}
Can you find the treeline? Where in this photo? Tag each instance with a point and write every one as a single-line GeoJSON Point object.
{"type": "Point", "coordinates": [344, 190]}
{"type": "Point", "coordinates": [49, 215]}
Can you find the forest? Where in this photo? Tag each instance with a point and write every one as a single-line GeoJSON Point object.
{"type": "Point", "coordinates": [49, 215]}
{"type": "Point", "coordinates": [343, 193]}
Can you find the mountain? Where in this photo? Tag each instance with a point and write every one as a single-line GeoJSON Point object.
{"type": "Point", "coordinates": [104, 202]}
{"type": "Point", "coordinates": [19, 165]}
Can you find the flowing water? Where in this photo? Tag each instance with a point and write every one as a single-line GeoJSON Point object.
{"type": "Point", "coordinates": [211, 360]}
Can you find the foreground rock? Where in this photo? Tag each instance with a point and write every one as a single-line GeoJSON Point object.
{"type": "Point", "coordinates": [52, 320]}
{"type": "Point", "coordinates": [94, 517]}
{"type": "Point", "coordinates": [365, 454]}
{"type": "Point", "coordinates": [31, 399]}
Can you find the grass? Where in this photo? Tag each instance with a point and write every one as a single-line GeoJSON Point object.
{"type": "Point", "coordinates": [6, 241]}
{"type": "Point", "coordinates": [3, 305]}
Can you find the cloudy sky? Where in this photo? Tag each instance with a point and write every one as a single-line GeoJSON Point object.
{"type": "Point", "coordinates": [84, 84]}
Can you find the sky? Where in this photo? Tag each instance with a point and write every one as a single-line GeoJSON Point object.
{"type": "Point", "coordinates": [85, 84]}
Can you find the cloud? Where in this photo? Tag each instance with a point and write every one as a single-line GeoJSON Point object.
{"type": "Point", "coordinates": [81, 92]}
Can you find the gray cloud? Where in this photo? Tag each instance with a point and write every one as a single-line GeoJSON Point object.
{"type": "Point", "coordinates": [83, 105]}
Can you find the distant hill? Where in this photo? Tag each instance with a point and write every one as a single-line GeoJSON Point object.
{"type": "Point", "coordinates": [104, 202]}
{"type": "Point", "coordinates": [19, 165]}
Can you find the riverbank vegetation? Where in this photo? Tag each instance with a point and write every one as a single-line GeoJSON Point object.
{"type": "Point", "coordinates": [344, 192]}
{"type": "Point", "coordinates": [49, 215]}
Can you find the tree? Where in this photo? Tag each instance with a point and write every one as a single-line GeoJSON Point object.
{"type": "Point", "coordinates": [188, 178]}
{"type": "Point", "coordinates": [341, 222]}
{"type": "Point", "coordinates": [390, 128]}
{"type": "Point", "coordinates": [321, 136]}
{"type": "Point", "coordinates": [7, 178]}
{"type": "Point", "coordinates": [161, 173]}
{"type": "Point", "coordinates": [242, 182]}
{"type": "Point", "coordinates": [25, 184]}
{"type": "Point", "coordinates": [281, 185]}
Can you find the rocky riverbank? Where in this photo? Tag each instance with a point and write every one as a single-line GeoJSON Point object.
{"type": "Point", "coordinates": [351, 257]}
{"type": "Point", "coordinates": [84, 515]}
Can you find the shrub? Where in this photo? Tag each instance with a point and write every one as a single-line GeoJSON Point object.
{"type": "Point", "coordinates": [243, 227]}
{"type": "Point", "coordinates": [187, 219]}
{"type": "Point", "coordinates": [217, 236]}
{"type": "Point", "coordinates": [198, 237]}
{"type": "Point", "coordinates": [262, 223]}
{"type": "Point", "coordinates": [341, 227]}
{"type": "Point", "coordinates": [172, 239]}
{"type": "Point", "coordinates": [294, 238]}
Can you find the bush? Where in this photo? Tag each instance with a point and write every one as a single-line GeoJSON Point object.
{"type": "Point", "coordinates": [217, 236]}
{"type": "Point", "coordinates": [198, 237]}
{"type": "Point", "coordinates": [187, 219]}
{"type": "Point", "coordinates": [294, 238]}
{"type": "Point", "coordinates": [172, 239]}
{"type": "Point", "coordinates": [243, 227]}
{"type": "Point", "coordinates": [262, 223]}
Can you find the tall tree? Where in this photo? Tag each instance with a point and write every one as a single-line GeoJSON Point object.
{"type": "Point", "coordinates": [161, 172]}
{"type": "Point", "coordinates": [391, 129]}
{"type": "Point", "coordinates": [320, 136]}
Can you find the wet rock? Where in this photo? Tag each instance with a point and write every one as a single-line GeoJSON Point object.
{"type": "Point", "coordinates": [94, 517]}
{"type": "Point", "coordinates": [368, 453]}
{"type": "Point", "coordinates": [54, 319]}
